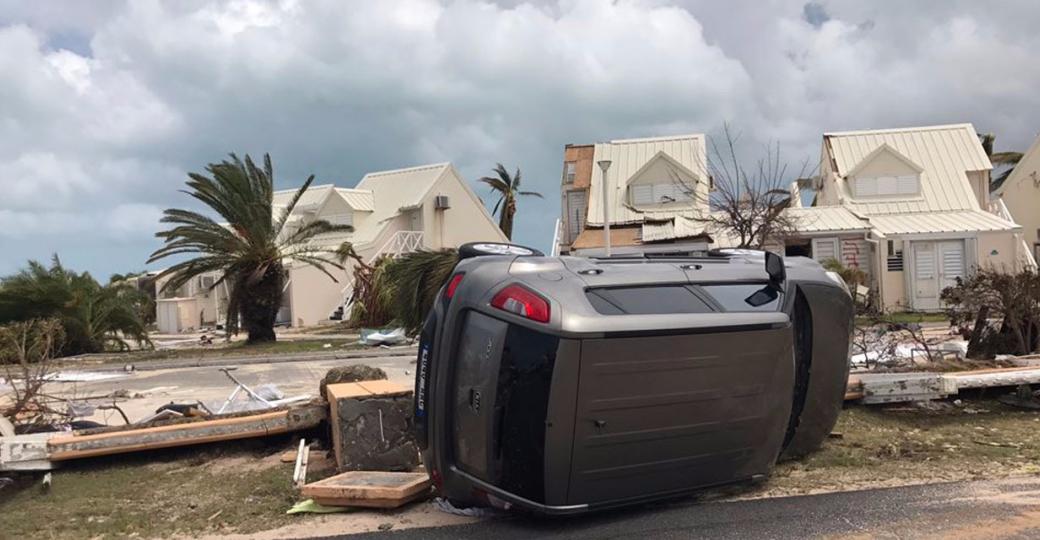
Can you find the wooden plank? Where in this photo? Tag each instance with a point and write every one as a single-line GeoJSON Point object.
{"type": "Point", "coordinates": [346, 391]}
{"type": "Point", "coordinates": [385, 388]}
{"type": "Point", "coordinates": [222, 429]}
{"type": "Point", "coordinates": [369, 488]}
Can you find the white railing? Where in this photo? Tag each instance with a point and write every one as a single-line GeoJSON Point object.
{"type": "Point", "coordinates": [999, 209]}
{"type": "Point", "coordinates": [1024, 256]}
{"type": "Point", "coordinates": [556, 238]}
{"type": "Point", "coordinates": [400, 243]}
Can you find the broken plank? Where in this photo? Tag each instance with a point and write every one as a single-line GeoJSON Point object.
{"type": "Point", "coordinates": [375, 489]}
{"type": "Point", "coordinates": [77, 445]}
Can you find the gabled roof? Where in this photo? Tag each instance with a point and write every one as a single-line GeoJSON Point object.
{"type": "Point", "coordinates": [944, 154]}
{"type": "Point", "coordinates": [885, 148]}
{"type": "Point", "coordinates": [1020, 172]}
{"type": "Point", "coordinates": [313, 198]}
{"type": "Point", "coordinates": [630, 156]}
{"type": "Point", "coordinates": [400, 188]}
{"type": "Point", "coordinates": [359, 199]}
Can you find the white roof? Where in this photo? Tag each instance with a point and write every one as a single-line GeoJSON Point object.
{"type": "Point", "coordinates": [311, 199]}
{"type": "Point", "coordinates": [358, 199]}
{"type": "Point", "coordinates": [943, 153]}
{"type": "Point", "coordinates": [400, 188]}
{"type": "Point", "coordinates": [815, 219]}
{"type": "Point", "coordinates": [940, 222]}
{"type": "Point", "coordinates": [628, 157]}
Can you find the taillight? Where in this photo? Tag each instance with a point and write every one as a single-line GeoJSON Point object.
{"type": "Point", "coordinates": [523, 302]}
{"type": "Point", "coordinates": [452, 286]}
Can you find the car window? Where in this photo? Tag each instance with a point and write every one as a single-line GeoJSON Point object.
{"type": "Point", "coordinates": [647, 300]}
{"type": "Point", "coordinates": [745, 296]}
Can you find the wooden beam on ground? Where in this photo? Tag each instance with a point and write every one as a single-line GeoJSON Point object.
{"type": "Point", "coordinates": [262, 424]}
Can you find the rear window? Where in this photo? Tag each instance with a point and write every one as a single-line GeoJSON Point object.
{"type": "Point", "coordinates": [745, 296]}
{"type": "Point", "coordinates": [647, 300]}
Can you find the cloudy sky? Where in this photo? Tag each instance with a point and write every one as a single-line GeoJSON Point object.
{"type": "Point", "coordinates": [105, 105]}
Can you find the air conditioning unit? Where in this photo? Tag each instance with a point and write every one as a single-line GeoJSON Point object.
{"type": "Point", "coordinates": [441, 202]}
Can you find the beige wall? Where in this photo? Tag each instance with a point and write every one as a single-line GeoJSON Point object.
{"type": "Point", "coordinates": [176, 315]}
{"type": "Point", "coordinates": [979, 182]}
{"type": "Point", "coordinates": [313, 295]}
{"type": "Point", "coordinates": [996, 251]}
{"type": "Point", "coordinates": [1022, 197]}
{"type": "Point", "coordinates": [465, 221]}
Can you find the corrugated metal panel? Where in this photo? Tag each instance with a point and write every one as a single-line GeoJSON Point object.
{"type": "Point", "coordinates": [358, 199]}
{"type": "Point", "coordinates": [940, 222]}
{"type": "Point", "coordinates": [311, 198]}
{"type": "Point", "coordinates": [680, 227]}
{"type": "Point", "coordinates": [627, 158]}
{"type": "Point", "coordinates": [815, 219]}
{"type": "Point", "coordinates": [945, 153]}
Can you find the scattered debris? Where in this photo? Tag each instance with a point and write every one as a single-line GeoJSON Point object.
{"type": "Point", "coordinates": [182, 432]}
{"type": "Point", "coordinates": [46, 482]}
{"type": "Point", "coordinates": [381, 337]}
{"type": "Point", "coordinates": [215, 515]}
{"type": "Point", "coordinates": [872, 388]}
{"type": "Point", "coordinates": [474, 511]}
{"type": "Point", "coordinates": [309, 506]}
{"type": "Point", "coordinates": [371, 489]}
{"type": "Point", "coordinates": [300, 470]}
{"type": "Point", "coordinates": [1023, 397]}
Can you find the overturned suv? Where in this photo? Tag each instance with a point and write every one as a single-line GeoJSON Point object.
{"type": "Point", "coordinates": [567, 384]}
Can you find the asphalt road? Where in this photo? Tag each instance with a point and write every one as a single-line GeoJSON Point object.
{"type": "Point", "coordinates": [983, 509]}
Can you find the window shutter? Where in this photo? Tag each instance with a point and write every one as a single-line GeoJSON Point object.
{"type": "Point", "coordinates": [866, 187]}
{"type": "Point", "coordinates": [824, 249]}
{"type": "Point", "coordinates": [642, 194]}
{"type": "Point", "coordinates": [887, 185]}
{"type": "Point", "coordinates": [908, 184]}
{"type": "Point", "coordinates": [953, 260]}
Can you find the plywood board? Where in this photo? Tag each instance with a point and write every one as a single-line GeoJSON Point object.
{"type": "Point", "coordinates": [369, 488]}
{"type": "Point", "coordinates": [365, 389]}
{"type": "Point", "coordinates": [183, 434]}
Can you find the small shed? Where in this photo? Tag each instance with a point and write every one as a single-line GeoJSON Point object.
{"type": "Point", "coordinates": [176, 315]}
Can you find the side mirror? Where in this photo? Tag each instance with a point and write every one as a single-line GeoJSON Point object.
{"type": "Point", "coordinates": [776, 270]}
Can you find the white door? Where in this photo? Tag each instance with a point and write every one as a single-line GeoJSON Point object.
{"type": "Point", "coordinates": [951, 259]}
{"type": "Point", "coordinates": [926, 277]}
{"type": "Point", "coordinates": [937, 265]}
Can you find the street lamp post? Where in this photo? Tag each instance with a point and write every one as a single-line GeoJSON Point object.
{"type": "Point", "coordinates": [604, 165]}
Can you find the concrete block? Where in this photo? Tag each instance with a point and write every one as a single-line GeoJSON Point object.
{"type": "Point", "coordinates": [372, 426]}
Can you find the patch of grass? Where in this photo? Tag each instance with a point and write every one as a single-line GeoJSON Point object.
{"type": "Point", "coordinates": [908, 317]}
{"type": "Point", "coordinates": [904, 444]}
{"type": "Point", "coordinates": [160, 493]}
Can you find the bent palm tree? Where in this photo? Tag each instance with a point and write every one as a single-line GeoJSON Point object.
{"type": "Point", "coordinates": [1008, 160]}
{"type": "Point", "coordinates": [508, 189]}
{"type": "Point", "coordinates": [251, 249]}
{"type": "Point", "coordinates": [94, 318]}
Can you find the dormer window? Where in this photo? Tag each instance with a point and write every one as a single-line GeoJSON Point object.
{"type": "Point", "coordinates": [658, 194]}
{"type": "Point", "coordinates": [908, 185]}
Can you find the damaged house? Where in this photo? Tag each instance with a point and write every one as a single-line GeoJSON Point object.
{"type": "Point", "coordinates": [911, 208]}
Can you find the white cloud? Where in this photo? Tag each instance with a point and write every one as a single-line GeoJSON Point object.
{"type": "Point", "coordinates": [96, 138]}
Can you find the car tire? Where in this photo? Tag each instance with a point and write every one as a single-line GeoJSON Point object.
{"type": "Point", "coordinates": [820, 380]}
{"type": "Point", "coordinates": [483, 249]}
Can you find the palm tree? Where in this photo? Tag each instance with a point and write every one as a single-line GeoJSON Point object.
{"type": "Point", "coordinates": [250, 251]}
{"type": "Point", "coordinates": [508, 189]}
{"type": "Point", "coordinates": [1008, 160]}
{"type": "Point", "coordinates": [95, 318]}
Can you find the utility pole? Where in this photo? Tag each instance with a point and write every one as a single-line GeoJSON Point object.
{"type": "Point", "coordinates": [604, 165]}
